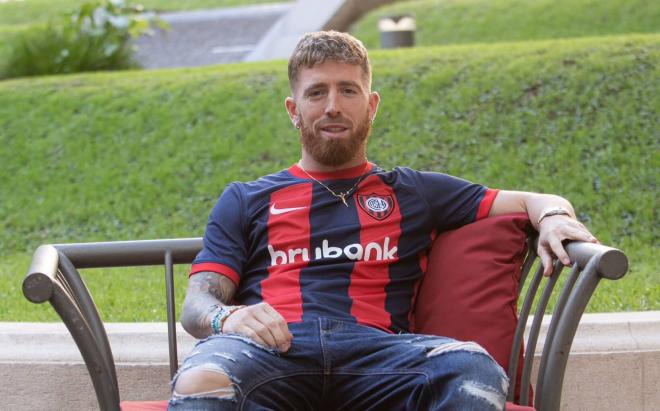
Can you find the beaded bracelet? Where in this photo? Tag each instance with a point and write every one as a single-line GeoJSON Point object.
{"type": "Point", "coordinates": [215, 322]}
{"type": "Point", "coordinates": [221, 316]}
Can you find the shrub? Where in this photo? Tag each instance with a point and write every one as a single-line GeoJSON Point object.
{"type": "Point", "coordinates": [94, 37]}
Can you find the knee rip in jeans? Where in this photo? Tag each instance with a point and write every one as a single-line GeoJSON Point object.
{"type": "Point", "coordinates": [206, 380]}
{"type": "Point", "coordinates": [494, 396]}
{"type": "Point", "coordinates": [468, 346]}
{"type": "Point", "coordinates": [465, 346]}
{"type": "Point", "coordinates": [243, 338]}
{"type": "Point", "coordinates": [490, 395]}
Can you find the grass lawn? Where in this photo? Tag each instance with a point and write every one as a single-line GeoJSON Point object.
{"type": "Point", "coordinates": [6, 35]}
{"type": "Point", "coordinates": [488, 21]}
{"type": "Point", "coordinates": [144, 154]}
{"type": "Point", "coordinates": [120, 294]}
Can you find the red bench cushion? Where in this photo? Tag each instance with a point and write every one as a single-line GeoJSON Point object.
{"type": "Point", "coordinates": [470, 288]}
{"type": "Point", "coordinates": [143, 405]}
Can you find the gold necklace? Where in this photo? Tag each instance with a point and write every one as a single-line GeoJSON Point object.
{"type": "Point", "coordinates": [342, 195]}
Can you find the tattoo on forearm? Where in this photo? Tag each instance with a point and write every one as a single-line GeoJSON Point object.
{"type": "Point", "coordinates": [206, 293]}
{"type": "Point", "coordinates": [220, 287]}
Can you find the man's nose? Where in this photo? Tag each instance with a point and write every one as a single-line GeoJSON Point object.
{"type": "Point", "coordinates": [332, 105]}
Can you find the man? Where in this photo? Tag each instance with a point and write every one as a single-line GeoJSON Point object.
{"type": "Point", "coordinates": [323, 259]}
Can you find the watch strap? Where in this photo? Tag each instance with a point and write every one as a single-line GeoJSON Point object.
{"type": "Point", "coordinates": [552, 211]}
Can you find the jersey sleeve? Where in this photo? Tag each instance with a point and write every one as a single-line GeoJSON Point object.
{"type": "Point", "coordinates": [224, 251]}
{"type": "Point", "coordinates": [453, 201]}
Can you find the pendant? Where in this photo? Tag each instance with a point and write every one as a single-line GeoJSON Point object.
{"type": "Point", "coordinates": [342, 196]}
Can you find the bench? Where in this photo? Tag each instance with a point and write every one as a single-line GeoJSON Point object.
{"type": "Point", "coordinates": [471, 291]}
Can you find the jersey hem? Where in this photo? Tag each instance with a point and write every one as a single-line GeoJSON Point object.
{"type": "Point", "coordinates": [215, 268]}
{"type": "Point", "coordinates": [486, 203]}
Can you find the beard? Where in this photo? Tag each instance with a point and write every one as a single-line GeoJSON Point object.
{"type": "Point", "coordinates": [335, 152]}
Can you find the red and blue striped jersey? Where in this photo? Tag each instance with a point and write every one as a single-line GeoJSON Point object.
{"type": "Point", "coordinates": [286, 240]}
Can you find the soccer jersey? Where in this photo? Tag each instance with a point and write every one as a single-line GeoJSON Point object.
{"type": "Point", "coordinates": [287, 240]}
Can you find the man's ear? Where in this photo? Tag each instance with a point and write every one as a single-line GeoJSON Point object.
{"type": "Point", "coordinates": [292, 110]}
{"type": "Point", "coordinates": [374, 100]}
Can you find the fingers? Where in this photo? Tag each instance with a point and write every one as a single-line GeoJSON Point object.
{"type": "Point", "coordinates": [546, 260]}
{"type": "Point", "coordinates": [550, 246]}
{"type": "Point", "coordinates": [272, 328]}
{"type": "Point", "coordinates": [552, 232]}
{"type": "Point", "coordinates": [261, 323]}
{"type": "Point", "coordinates": [558, 250]}
{"type": "Point", "coordinates": [279, 328]}
{"type": "Point", "coordinates": [578, 232]}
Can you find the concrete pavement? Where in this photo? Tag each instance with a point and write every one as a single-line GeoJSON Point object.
{"type": "Point", "coordinates": [252, 33]}
{"type": "Point", "coordinates": [203, 37]}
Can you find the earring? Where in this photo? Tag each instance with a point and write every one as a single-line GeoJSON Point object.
{"type": "Point", "coordinates": [297, 124]}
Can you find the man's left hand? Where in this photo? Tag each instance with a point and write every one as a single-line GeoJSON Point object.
{"type": "Point", "coordinates": [553, 231]}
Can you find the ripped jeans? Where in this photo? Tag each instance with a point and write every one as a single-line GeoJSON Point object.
{"type": "Point", "coordinates": [336, 365]}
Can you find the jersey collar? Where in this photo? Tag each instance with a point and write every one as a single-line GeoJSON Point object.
{"type": "Point", "coordinates": [346, 173]}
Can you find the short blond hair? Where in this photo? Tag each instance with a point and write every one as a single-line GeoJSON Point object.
{"type": "Point", "coordinates": [318, 47]}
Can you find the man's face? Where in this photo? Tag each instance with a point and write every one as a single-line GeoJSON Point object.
{"type": "Point", "coordinates": [333, 107]}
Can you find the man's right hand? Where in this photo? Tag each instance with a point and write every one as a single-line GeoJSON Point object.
{"type": "Point", "coordinates": [261, 323]}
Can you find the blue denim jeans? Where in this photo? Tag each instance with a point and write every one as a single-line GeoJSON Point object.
{"type": "Point", "coordinates": [336, 365]}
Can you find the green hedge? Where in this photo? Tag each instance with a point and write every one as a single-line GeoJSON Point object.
{"type": "Point", "coordinates": [486, 21]}
{"type": "Point", "coordinates": [143, 155]}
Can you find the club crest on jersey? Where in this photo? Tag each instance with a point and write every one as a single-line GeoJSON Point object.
{"type": "Point", "coordinates": [376, 205]}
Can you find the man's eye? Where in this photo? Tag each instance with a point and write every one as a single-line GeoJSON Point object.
{"type": "Point", "coordinates": [316, 93]}
{"type": "Point", "coordinates": [349, 91]}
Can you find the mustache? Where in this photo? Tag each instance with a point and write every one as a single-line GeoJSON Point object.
{"type": "Point", "coordinates": [340, 120]}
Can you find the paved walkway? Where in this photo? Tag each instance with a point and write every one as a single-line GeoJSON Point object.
{"type": "Point", "coordinates": [204, 37]}
{"type": "Point", "coordinates": [253, 33]}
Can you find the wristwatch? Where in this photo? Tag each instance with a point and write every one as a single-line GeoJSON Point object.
{"type": "Point", "coordinates": [550, 211]}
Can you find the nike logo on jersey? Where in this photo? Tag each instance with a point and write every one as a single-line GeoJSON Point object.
{"type": "Point", "coordinates": [275, 211]}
